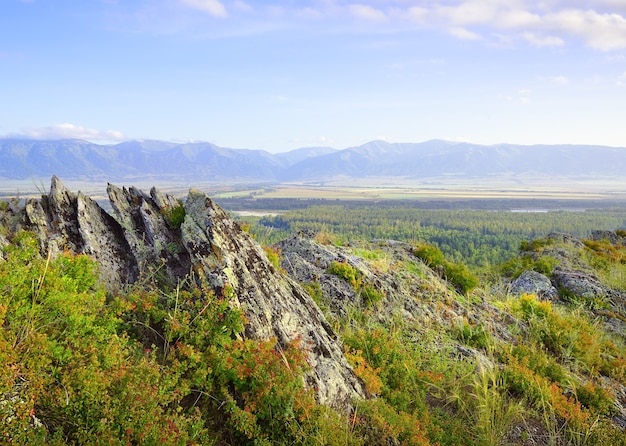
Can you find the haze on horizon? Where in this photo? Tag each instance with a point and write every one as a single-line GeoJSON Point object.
{"type": "Point", "coordinates": [280, 75]}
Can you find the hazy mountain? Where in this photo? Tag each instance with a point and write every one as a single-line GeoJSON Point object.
{"type": "Point", "coordinates": [295, 156]}
{"type": "Point", "coordinates": [442, 158]}
{"type": "Point", "coordinates": [75, 159]}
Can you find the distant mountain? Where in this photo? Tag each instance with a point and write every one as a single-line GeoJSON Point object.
{"type": "Point", "coordinates": [445, 159]}
{"type": "Point", "coordinates": [72, 159]}
{"type": "Point", "coordinates": [304, 154]}
{"type": "Point", "coordinates": [136, 160]}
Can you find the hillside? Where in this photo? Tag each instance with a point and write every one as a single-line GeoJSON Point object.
{"type": "Point", "coordinates": [186, 162]}
{"type": "Point", "coordinates": [167, 323]}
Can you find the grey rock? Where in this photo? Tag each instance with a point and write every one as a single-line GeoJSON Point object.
{"type": "Point", "coordinates": [532, 282]}
{"type": "Point", "coordinates": [154, 243]}
{"type": "Point", "coordinates": [3, 243]}
{"type": "Point", "coordinates": [579, 283]}
{"type": "Point", "coordinates": [565, 238]}
{"type": "Point", "coordinates": [208, 245]}
{"type": "Point", "coordinates": [275, 306]}
{"type": "Point", "coordinates": [102, 238]}
{"type": "Point", "coordinates": [610, 236]}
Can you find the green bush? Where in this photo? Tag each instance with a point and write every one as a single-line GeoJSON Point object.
{"type": "Point", "coordinates": [345, 271]}
{"type": "Point", "coordinates": [429, 254]}
{"type": "Point", "coordinates": [460, 276]}
{"type": "Point", "coordinates": [174, 216]}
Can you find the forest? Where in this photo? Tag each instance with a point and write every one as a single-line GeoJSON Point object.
{"type": "Point", "coordinates": [478, 237]}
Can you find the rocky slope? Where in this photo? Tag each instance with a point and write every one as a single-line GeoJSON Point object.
{"type": "Point", "coordinates": [157, 235]}
{"type": "Point", "coordinates": [372, 288]}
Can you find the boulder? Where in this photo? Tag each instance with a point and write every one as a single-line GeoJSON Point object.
{"type": "Point", "coordinates": [532, 282]}
{"type": "Point", "coordinates": [579, 283]}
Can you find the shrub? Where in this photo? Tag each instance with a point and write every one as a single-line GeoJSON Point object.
{"type": "Point", "coordinates": [273, 255]}
{"type": "Point", "coordinates": [429, 254]}
{"type": "Point", "coordinates": [460, 276]}
{"type": "Point", "coordinates": [346, 272]}
{"type": "Point", "coordinates": [473, 335]}
{"type": "Point", "coordinates": [174, 216]}
{"type": "Point", "coordinates": [370, 296]}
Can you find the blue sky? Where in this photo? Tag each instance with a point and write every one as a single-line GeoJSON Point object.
{"type": "Point", "coordinates": [279, 75]}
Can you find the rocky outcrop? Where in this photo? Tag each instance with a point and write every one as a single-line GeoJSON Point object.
{"type": "Point", "coordinates": [579, 283]}
{"type": "Point", "coordinates": [157, 232]}
{"type": "Point", "coordinates": [611, 236]}
{"type": "Point", "coordinates": [411, 291]}
{"type": "Point", "coordinates": [532, 282]}
{"type": "Point", "coordinates": [64, 221]}
{"type": "Point", "coordinates": [274, 304]}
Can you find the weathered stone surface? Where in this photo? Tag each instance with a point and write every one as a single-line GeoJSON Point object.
{"type": "Point", "coordinates": [275, 305]}
{"type": "Point", "coordinates": [565, 238]}
{"type": "Point", "coordinates": [532, 282]}
{"type": "Point", "coordinates": [208, 245]}
{"type": "Point", "coordinates": [610, 236]}
{"type": "Point", "coordinates": [152, 240]}
{"type": "Point", "coordinates": [103, 239]}
{"type": "Point", "coordinates": [3, 242]}
{"type": "Point", "coordinates": [579, 283]}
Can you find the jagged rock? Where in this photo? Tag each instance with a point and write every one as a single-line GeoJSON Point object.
{"type": "Point", "coordinates": [144, 238]}
{"type": "Point", "coordinates": [66, 221]}
{"type": "Point", "coordinates": [275, 305]}
{"type": "Point", "coordinates": [151, 238]}
{"type": "Point", "coordinates": [103, 239]}
{"type": "Point", "coordinates": [532, 282]}
{"type": "Point", "coordinates": [307, 261]}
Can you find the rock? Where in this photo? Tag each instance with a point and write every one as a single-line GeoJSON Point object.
{"type": "Point", "coordinates": [103, 239]}
{"type": "Point", "coordinates": [275, 305]}
{"type": "Point", "coordinates": [578, 283]}
{"type": "Point", "coordinates": [611, 236]}
{"type": "Point", "coordinates": [532, 282]}
{"type": "Point", "coordinates": [154, 242]}
{"type": "Point", "coordinates": [206, 243]}
{"type": "Point", "coordinates": [3, 242]}
{"type": "Point", "coordinates": [565, 238]}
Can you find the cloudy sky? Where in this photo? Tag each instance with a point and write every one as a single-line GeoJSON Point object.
{"type": "Point", "coordinates": [282, 74]}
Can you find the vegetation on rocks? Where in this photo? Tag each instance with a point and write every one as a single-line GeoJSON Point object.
{"type": "Point", "coordinates": [439, 354]}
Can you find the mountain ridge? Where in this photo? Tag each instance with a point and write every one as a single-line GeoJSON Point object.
{"type": "Point", "coordinates": [203, 161]}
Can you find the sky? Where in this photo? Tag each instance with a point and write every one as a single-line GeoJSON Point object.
{"type": "Point", "coordinates": [282, 74]}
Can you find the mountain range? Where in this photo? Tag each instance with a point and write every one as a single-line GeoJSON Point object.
{"type": "Point", "coordinates": [202, 161]}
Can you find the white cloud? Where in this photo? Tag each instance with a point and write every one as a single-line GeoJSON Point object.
{"type": "Point", "coordinates": [368, 13]}
{"type": "Point", "coordinates": [417, 14]}
{"type": "Point", "coordinates": [469, 12]}
{"type": "Point", "coordinates": [464, 34]}
{"type": "Point", "coordinates": [605, 31]}
{"type": "Point", "coordinates": [524, 96]}
{"type": "Point", "coordinates": [621, 81]}
{"type": "Point", "coordinates": [213, 7]}
{"type": "Point", "coordinates": [70, 131]}
{"type": "Point", "coordinates": [600, 24]}
{"type": "Point", "coordinates": [540, 40]}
